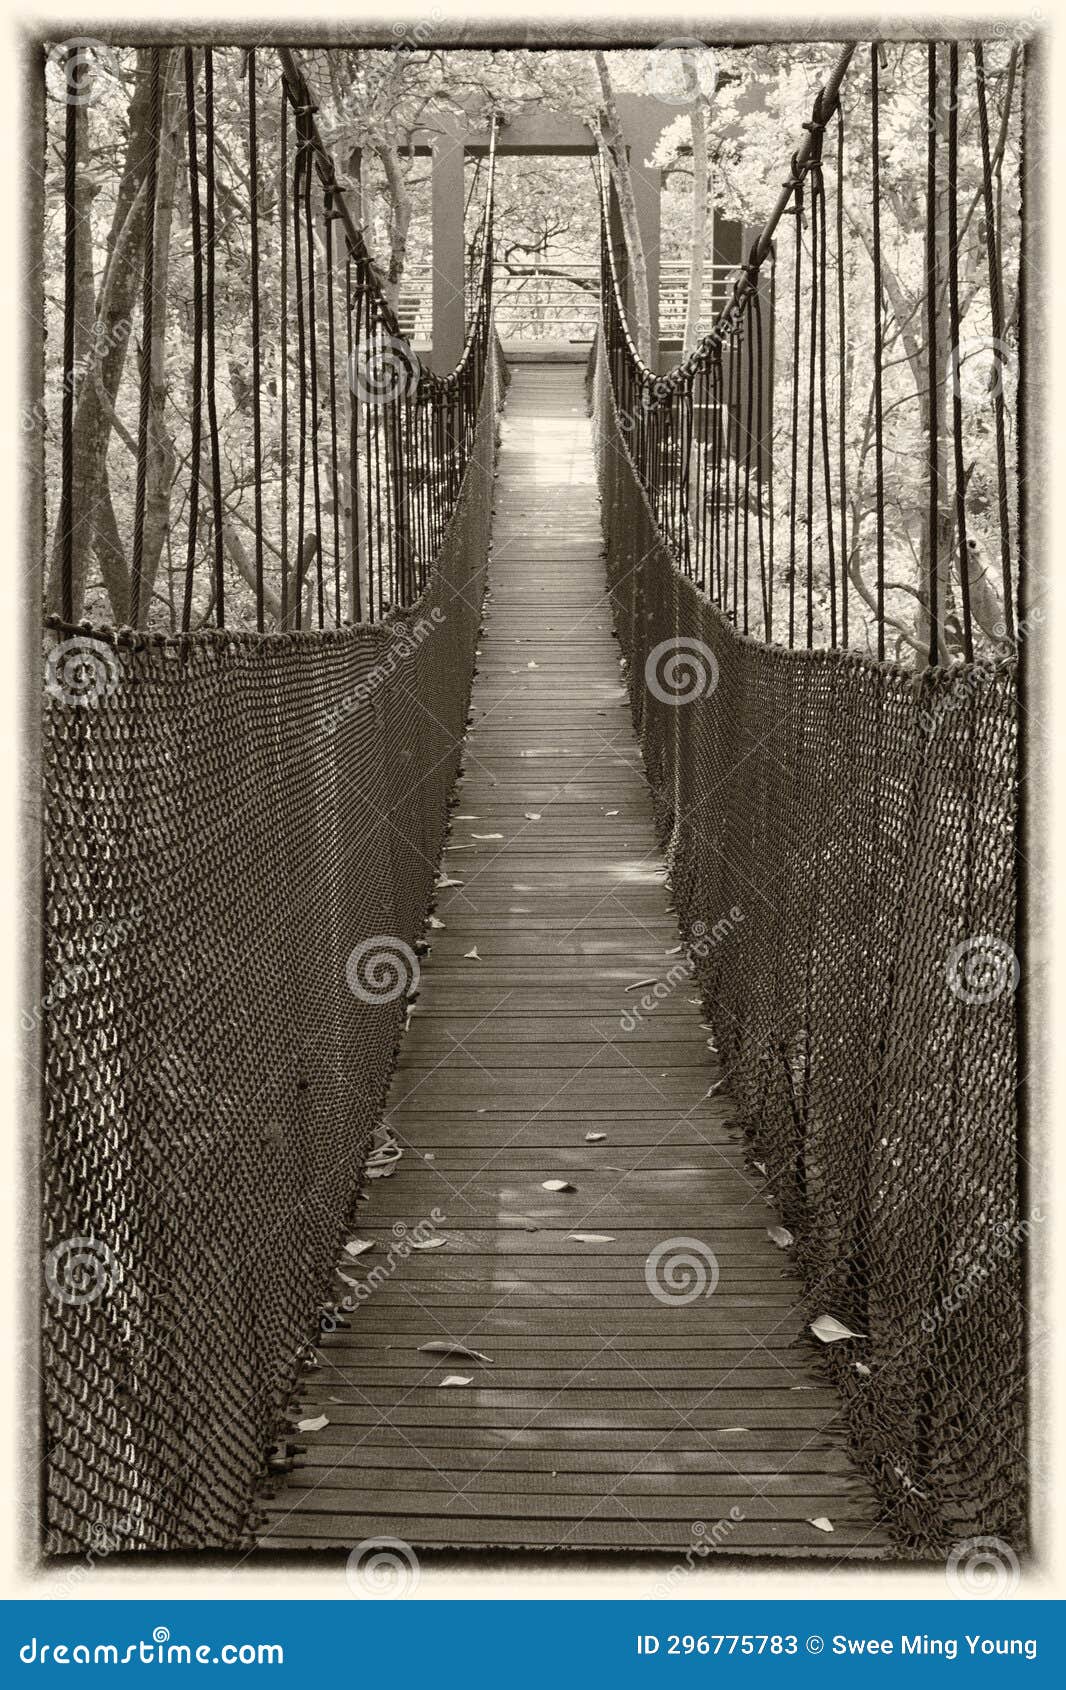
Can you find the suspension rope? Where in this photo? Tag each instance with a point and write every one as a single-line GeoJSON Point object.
{"type": "Point", "coordinates": [955, 319]}
{"type": "Point", "coordinates": [996, 307]}
{"type": "Point", "coordinates": [212, 397]}
{"type": "Point", "coordinates": [198, 337]}
{"type": "Point", "coordinates": [932, 365]}
{"type": "Point", "coordinates": [155, 123]}
{"type": "Point", "coordinates": [70, 248]}
{"type": "Point", "coordinates": [257, 426]}
{"type": "Point", "coordinates": [879, 400]}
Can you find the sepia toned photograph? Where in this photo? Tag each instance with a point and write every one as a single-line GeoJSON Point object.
{"type": "Point", "coordinates": [530, 613]}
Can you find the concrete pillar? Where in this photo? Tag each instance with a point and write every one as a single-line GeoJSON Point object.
{"type": "Point", "coordinates": [449, 250]}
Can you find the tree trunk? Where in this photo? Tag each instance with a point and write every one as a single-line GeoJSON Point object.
{"type": "Point", "coordinates": [698, 121]}
{"type": "Point", "coordinates": [92, 417]}
{"type": "Point", "coordinates": [162, 459]}
{"type": "Point", "coordinates": [399, 219]}
{"type": "Point", "coordinates": [618, 162]}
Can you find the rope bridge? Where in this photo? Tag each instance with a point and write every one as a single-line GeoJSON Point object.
{"type": "Point", "coordinates": [251, 739]}
{"type": "Point", "coordinates": [860, 810]}
{"type": "Point", "coordinates": [234, 810]}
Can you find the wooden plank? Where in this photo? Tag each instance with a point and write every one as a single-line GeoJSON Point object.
{"type": "Point", "coordinates": [616, 1409]}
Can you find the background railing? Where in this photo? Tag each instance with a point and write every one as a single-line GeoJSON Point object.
{"type": "Point", "coordinates": [292, 467]}
{"type": "Point", "coordinates": [842, 826]}
{"type": "Point", "coordinates": [835, 464]}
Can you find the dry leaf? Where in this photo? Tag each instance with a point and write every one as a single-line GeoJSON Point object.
{"type": "Point", "coordinates": [532, 815]}
{"type": "Point", "coordinates": [471, 956]}
{"type": "Point", "coordinates": [592, 1238]}
{"type": "Point", "coordinates": [455, 1379]}
{"type": "Point", "coordinates": [861, 1367]}
{"type": "Point", "coordinates": [823, 1524]}
{"type": "Point", "coordinates": [637, 984]}
{"type": "Point", "coordinates": [830, 1330]}
{"type": "Point", "coordinates": [446, 880]}
{"type": "Point", "coordinates": [532, 665]}
{"type": "Point", "coordinates": [358, 1247]}
{"type": "Point", "coordinates": [610, 812]}
{"type": "Point", "coordinates": [445, 1347]}
{"type": "Point", "coordinates": [433, 922]}
{"type": "Point", "coordinates": [733, 1429]}
{"type": "Point", "coordinates": [761, 1167]}
{"type": "Point", "coordinates": [486, 836]}
{"type": "Point", "coordinates": [428, 1244]}
{"type": "Point", "coordinates": [313, 1425]}
{"type": "Point", "coordinates": [780, 1235]}
{"type": "Point", "coordinates": [595, 1138]}
{"type": "Point", "coordinates": [557, 1185]}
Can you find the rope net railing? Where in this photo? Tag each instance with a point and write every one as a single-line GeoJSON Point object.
{"type": "Point", "coordinates": [245, 799]}
{"type": "Point", "coordinates": [836, 777]}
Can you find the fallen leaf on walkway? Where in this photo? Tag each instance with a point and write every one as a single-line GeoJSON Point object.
{"type": "Point", "coordinates": [637, 984]}
{"type": "Point", "coordinates": [315, 1425]}
{"type": "Point", "coordinates": [861, 1367]}
{"type": "Point", "coordinates": [592, 1238]}
{"type": "Point", "coordinates": [761, 1167]}
{"type": "Point", "coordinates": [429, 1244]}
{"type": "Point", "coordinates": [780, 1235]}
{"type": "Point", "coordinates": [822, 1524]}
{"type": "Point", "coordinates": [446, 1347]}
{"type": "Point", "coordinates": [456, 1379]}
{"type": "Point", "coordinates": [358, 1246]}
{"type": "Point", "coordinates": [830, 1330]}
{"type": "Point", "coordinates": [532, 665]}
{"type": "Point", "coordinates": [595, 1138]}
{"type": "Point", "coordinates": [557, 1185]}
{"type": "Point", "coordinates": [486, 836]}
{"type": "Point", "coordinates": [446, 880]}
{"type": "Point", "coordinates": [433, 922]}
{"type": "Point", "coordinates": [471, 955]}
{"type": "Point", "coordinates": [724, 1429]}
{"type": "Point", "coordinates": [532, 815]}
{"type": "Point", "coordinates": [610, 812]}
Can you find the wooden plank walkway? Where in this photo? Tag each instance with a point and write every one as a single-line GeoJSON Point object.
{"type": "Point", "coordinates": [609, 1416]}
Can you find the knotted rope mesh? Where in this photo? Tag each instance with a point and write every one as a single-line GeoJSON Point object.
{"type": "Point", "coordinates": [860, 817]}
{"type": "Point", "coordinates": [229, 819]}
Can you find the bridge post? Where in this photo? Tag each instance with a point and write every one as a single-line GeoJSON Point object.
{"type": "Point", "coordinates": [449, 248]}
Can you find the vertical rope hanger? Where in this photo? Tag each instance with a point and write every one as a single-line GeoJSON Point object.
{"type": "Point", "coordinates": [879, 399]}
{"type": "Point", "coordinates": [198, 336]}
{"type": "Point", "coordinates": [212, 396]}
{"type": "Point", "coordinates": [932, 359]}
{"type": "Point", "coordinates": [996, 307]}
{"type": "Point", "coordinates": [155, 122]}
{"type": "Point", "coordinates": [283, 233]}
{"type": "Point", "coordinates": [955, 319]}
{"type": "Point", "coordinates": [257, 427]}
{"type": "Point", "coordinates": [70, 238]}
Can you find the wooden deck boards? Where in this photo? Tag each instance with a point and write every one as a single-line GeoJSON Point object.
{"type": "Point", "coordinates": [608, 1417]}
